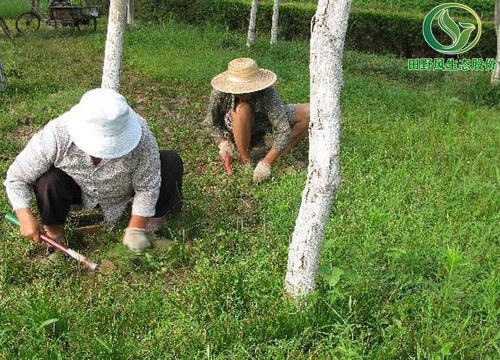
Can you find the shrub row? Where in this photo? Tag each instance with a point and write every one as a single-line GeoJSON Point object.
{"type": "Point", "coordinates": [401, 34]}
{"type": "Point", "coordinates": [369, 30]}
{"type": "Point", "coordinates": [484, 8]}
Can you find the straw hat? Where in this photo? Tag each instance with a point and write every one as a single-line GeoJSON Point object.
{"type": "Point", "coordinates": [243, 76]}
{"type": "Point", "coordinates": [103, 125]}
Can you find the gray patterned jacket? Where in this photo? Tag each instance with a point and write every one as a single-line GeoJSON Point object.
{"type": "Point", "coordinates": [111, 184]}
{"type": "Point", "coordinates": [270, 114]}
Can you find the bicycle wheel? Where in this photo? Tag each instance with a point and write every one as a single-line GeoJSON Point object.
{"type": "Point", "coordinates": [28, 22]}
{"type": "Point", "coordinates": [87, 24]}
{"type": "Point", "coordinates": [5, 28]}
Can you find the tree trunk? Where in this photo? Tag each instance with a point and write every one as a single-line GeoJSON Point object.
{"type": "Point", "coordinates": [495, 76]}
{"type": "Point", "coordinates": [130, 12]}
{"type": "Point", "coordinates": [328, 28]}
{"type": "Point", "coordinates": [252, 25]}
{"type": "Point", "coordinates": [3, 78]}
{"type": "Point", "coordinates": [114, 45]}
{"type": "Point", "coordinates": [274, 26]}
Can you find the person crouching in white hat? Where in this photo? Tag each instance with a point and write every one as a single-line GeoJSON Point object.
{"type": "Point", "coordinates": [102, 153]}
{"type": "Point", "coordinates": [244, 105]}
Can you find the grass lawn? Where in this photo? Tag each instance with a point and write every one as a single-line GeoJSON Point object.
{"type": "Point", "coordinates": [410, 264]}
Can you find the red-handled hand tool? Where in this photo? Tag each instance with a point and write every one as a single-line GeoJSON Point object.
{"type": "Point", "coordinates": [227, 163]}
{"type": "Point", "coordinates": [75, 255]}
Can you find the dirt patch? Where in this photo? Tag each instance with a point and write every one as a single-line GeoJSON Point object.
{"type": "Point", "coordinates": [106, 267]}
{"type": "Point", "coordinates": [23, 133]}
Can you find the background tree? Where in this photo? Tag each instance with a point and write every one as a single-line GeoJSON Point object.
{"type": "Point", "coordinates": [495, 76]}
{"type": "Point", "coordinates": [113, 52]}
{"type": "Point", "coordinates": [3, 78]}
{"type": "Point", "coordinates": [328, 31]}
{"type": "Point", "coordinates": [252, 24]}
{"type": "Point", "coordinates": [130, 12]}
{"type": "Point", "coordinates": [274, 26]}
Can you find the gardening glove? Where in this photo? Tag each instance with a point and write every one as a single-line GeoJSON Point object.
{"type": "Point", "coordinates": [136, 239]}
{"type": "Point", "coordinates": [226, 147]}
{"type": "Point", "coordinates": [262, 172]}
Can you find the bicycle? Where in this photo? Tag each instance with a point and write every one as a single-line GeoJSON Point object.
{"type": "Point", "coordinates": [60, 12]}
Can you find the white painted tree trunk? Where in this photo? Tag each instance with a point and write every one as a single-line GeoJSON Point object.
{"type": "Point", "coordinates": [252, 25]}
{"type": "Point", "coordinates": [328, 29]}
{"type": "Point", "coordinates": [130, 12]}
{"type": "Point", "coordinates": [114, 45]}
{"type": "Point", "coordinates": [274, 26]}
{"type": "Point", "coordinates": [495, 76]}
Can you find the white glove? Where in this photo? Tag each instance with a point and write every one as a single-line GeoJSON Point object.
{"type": "Point", "coordinates": [262, 172]}
{"type": "Point", "coordinates": [226, 147]}
{"type": "Point", "coordinates": [136, 239]}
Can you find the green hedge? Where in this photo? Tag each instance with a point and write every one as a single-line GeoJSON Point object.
{"type": "Point", "coordinates": [369, 30]}
{"type": "Point", "coordinates": [401, 34]}
{"type": "Point", "coordinates": [484, 8]}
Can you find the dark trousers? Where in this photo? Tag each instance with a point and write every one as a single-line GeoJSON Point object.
{"type": "Point", "coordinates": [56, 191]}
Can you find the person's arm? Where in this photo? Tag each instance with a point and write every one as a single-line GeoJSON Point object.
{"type": "Point", "coordinates": [33, 161]}
{"type": "Point", "coordinates": [212, 123]}
{"type": "Point", "coordinates": [146, 179]}
{"type": "Point", "coordinates": [146, 182]}
{"type": "Point", "coordinates": [282, 131]}
{"type": "Point", "coordinates": [271, 156]}
{"type": "Point", "coordinates": [29, 227]}
{"type": "Point", "coordinates": [137, 221]}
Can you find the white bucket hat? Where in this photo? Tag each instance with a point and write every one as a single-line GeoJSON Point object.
{"type": "Point", "coordinates": [243, 76]}
{"type": "Point", "coordinates": [103, 125]}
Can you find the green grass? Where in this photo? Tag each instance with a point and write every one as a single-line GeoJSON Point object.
{"type": "Point", "coordinates": [410, 262]}
{"type": "Point", "coordinates": [12, 8]}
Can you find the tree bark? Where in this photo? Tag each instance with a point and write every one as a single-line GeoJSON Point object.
{"type": "Point", "coordinates": [114, 45]}
{"type": "Point", "coordinates": [274, 26]}
{"type": "Point", "coordinates": [495, 76]}
{"type": "Point", "coordinates": [252, 25]}
{"type": "Point", "coordinates": [3, 78]}
{"type": "Point", "coordinates": [328, 28]}
{"type": "Point", "coordinates": [130, 12]}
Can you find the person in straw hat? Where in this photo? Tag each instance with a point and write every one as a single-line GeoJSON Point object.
{"type": "Point", "coordinates": [244, 105]}
{"type": "Point", "coordinates": [102, 153]}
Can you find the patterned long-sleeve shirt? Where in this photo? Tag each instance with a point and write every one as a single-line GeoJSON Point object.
{"type": "Point", "coordinates": [111, 184]}
{"type": "Point", "coordinates": [269, 114]}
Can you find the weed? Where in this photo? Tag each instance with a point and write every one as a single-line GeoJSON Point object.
{"type": "Point", "coordinates": [409, 267]}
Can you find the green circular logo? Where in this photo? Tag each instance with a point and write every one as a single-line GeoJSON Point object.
{"type": "Point", "coordinates": [459, 33]}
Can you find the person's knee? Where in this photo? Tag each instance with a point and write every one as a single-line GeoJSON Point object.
{"type": "Point", "coordinates": [172, 169]}
{"type": "Point", "coordinates": [171, 159]}
{"type": "Point", "coordinates": [302, 113]}
{"type": "Point", "coordinates": [242, 112]}
{"type": "Point", "coordinates": [50, 180]}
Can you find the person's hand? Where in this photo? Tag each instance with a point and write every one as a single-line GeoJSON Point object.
{"type": "Point", "coordinates": [29, 226]}
{"type": "Point", "coordinates": [136, 239]}
{"type": "Point", "coordinates": [262, 172]}
{"type": "Point", "coordinates": [225, 147]}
